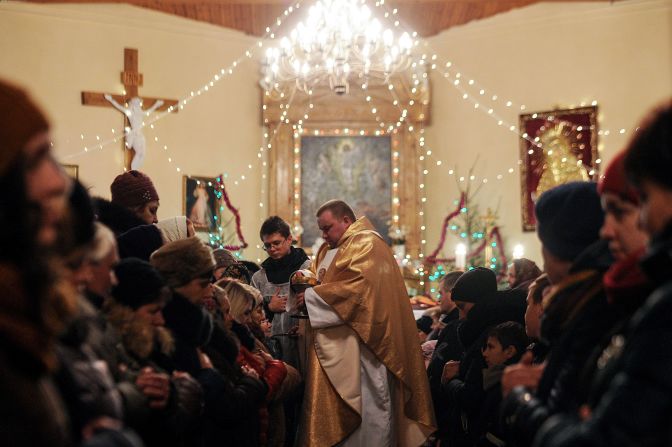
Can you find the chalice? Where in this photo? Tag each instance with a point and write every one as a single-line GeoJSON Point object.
{"type": "Point", "coordinates": [299, 282]}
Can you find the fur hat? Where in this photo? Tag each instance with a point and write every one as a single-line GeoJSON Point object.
{"type": "Point", "coordinates": [475, 286]}
{"type": "Point", "coordinates": [181, 261]}
{"type": "Point", "coordinates": [133, 189]}
{"type": "Point", "coordinates": [615, 181]}
{"type": "Point", "coordinates": [20, 120]}
{"type": "Point", "coordinates": [173, 229]}
{"type": "Point", "coordinates": [138, 283]}
{"type": "Point", "coordinates": [223, 258]}
{"type": "Point", "coordinates": [569, 218]}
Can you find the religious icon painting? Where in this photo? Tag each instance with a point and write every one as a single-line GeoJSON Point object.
{"type": "Point", "coordinates": [357, 169]}
{"type": "Point", "coordinates": [200, 203]}
{"type": "Point", "coordinates": [556, 147]}
{"type": "Point", "coordinates": [72, 171]}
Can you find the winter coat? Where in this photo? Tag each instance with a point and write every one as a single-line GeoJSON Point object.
{"type": "Point", "coordinates": [137, 345]}
{"type": "Point", "coordinates": [464, 394]}
{"type": "Point", "coordinates": [84, 379]}
{"type": "Point", "coordinates": [577, 317]}
{"type": "Point", "coordinates": [231, 398]}
{"type": "Point", "coordinates": [191, 327]}
{"type": "Point", "coordinates": [634, 407]}
{"type": "Point", "coordinates": [282, 322]}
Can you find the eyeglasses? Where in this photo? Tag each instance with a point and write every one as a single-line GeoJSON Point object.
{"type": "Point", "coordinates": [273, 244]}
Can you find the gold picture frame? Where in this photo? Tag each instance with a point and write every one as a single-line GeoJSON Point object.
{"type": "Point", "coordinates": [71, 170]}
{"type": "Point", "coordinates": [557, 147]}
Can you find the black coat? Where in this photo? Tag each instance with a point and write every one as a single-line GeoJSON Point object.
{"type": "Point", "coordinates": [448, 347]}
{"type": "Point", "coordinates": [636, 408]}
{"type": "Point", "coordinates": [231, 401]}
{"type": "Point", "coordinates": [192, 328]}
{"type": "Point", "coordinates": [576, 320]}
{"type": "Point", "coordinates": [464, 394]}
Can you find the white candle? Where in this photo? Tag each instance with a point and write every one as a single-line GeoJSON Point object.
{"type": "Point", "coordinates": [518, 251]}
{"type": "Point", "coordinates": [460, 256]}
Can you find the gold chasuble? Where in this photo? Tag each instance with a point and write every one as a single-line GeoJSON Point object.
{"type": "Point", "coordinates": [364, 287]}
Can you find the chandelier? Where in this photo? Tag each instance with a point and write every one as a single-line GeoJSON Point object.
{"type": "Point", "coordinates": [339, 42]}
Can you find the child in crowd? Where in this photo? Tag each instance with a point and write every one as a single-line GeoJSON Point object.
{"type": "Point", "coordinates": [504, 346]}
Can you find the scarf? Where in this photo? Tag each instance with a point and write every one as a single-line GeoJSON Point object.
{"type": "Point", "coordinates": [626, 285]}
{"type": "Point", "coordinates": [278, 271]}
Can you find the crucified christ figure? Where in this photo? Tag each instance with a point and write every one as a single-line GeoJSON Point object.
{"type": "Point", "coordinates": [133, 136]}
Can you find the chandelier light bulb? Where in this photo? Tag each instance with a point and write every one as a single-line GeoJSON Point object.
{"type": "Point", "coordinates": [338, 41]}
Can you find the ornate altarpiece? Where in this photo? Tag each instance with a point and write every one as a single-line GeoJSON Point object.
{"type": "Point", "coordinates": [351, 115]}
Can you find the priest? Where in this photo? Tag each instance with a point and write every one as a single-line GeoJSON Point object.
{"type": "Point", "coordinates": [366, 383]}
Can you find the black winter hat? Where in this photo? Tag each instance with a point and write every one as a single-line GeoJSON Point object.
{"type": "Point", "coordinates": [140, 242]}
{"type": "Point", "coordinates": [138, 283]}
{"type": "Point", "coordinates": [475, 286]}
{"type": "Point", "coordinates": [82, 215]}
{"type": "Point", "coordinates": [569, 218]}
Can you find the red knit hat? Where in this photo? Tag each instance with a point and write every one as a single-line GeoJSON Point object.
{"type": "Point", "coordinates": [133, 189]}
{"type": "Point", "coordinates": [20, 120]}
{"type": "Point", "coordinates": [616, 182]}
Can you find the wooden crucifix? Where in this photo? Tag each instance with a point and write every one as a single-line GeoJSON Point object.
{"type": "Point", "coordinates": [130, 104]}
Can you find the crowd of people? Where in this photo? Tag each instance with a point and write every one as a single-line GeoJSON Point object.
{"type": "Point", "coordinates": [120, 329]}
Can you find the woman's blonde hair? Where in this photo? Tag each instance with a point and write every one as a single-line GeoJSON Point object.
{"type": "Point", "coordinates": [241, 296]}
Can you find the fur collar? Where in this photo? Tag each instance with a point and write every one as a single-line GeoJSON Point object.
{"type": "Point", "coordinates": [139, 337]}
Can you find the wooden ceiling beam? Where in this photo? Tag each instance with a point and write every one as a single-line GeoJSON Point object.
{"type": "Point", "coordinates": [427, 17]}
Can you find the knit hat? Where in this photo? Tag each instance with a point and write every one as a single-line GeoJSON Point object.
{"type": "Point", "coordinates": [616, 182]}
{"type": "Point", "coordinates": [181, 261]}
{"type": "Point", "coordinates": [173, 229]}
{"type": "Point", "coordinates": [424, 324]}
{"type": "Point", "coordinates": [223, 258]}
{"type": "Point", "coordinates": [20, 120]}
{"type": "Point", "coordinates": [133, 189]}
{"type": "Point", "coordinates": [569, 218]}
{"type": "Point", "coordinates": [475, 286]}
{"type": "Point", "coordinates": [138, 283]}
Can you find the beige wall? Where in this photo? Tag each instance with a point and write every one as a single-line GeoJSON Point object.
{"type": "Point", "coordinates": [57, 51]}
{"type": "Point", "coordinates": [542, 56]}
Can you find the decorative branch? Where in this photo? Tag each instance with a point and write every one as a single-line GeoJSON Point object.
{"type": "Point", "coordinates": [225, 197]}
{"type": "Point", "coordinates": [432, 257]}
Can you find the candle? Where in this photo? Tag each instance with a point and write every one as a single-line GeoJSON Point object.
{"type": "Point", "coordinates": [518, 251]}
{"type": "Point", "coordinates": [460, 256]}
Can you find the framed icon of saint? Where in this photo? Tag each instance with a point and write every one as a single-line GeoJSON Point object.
{"type": "Point", "coordinates": [556, 147]}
